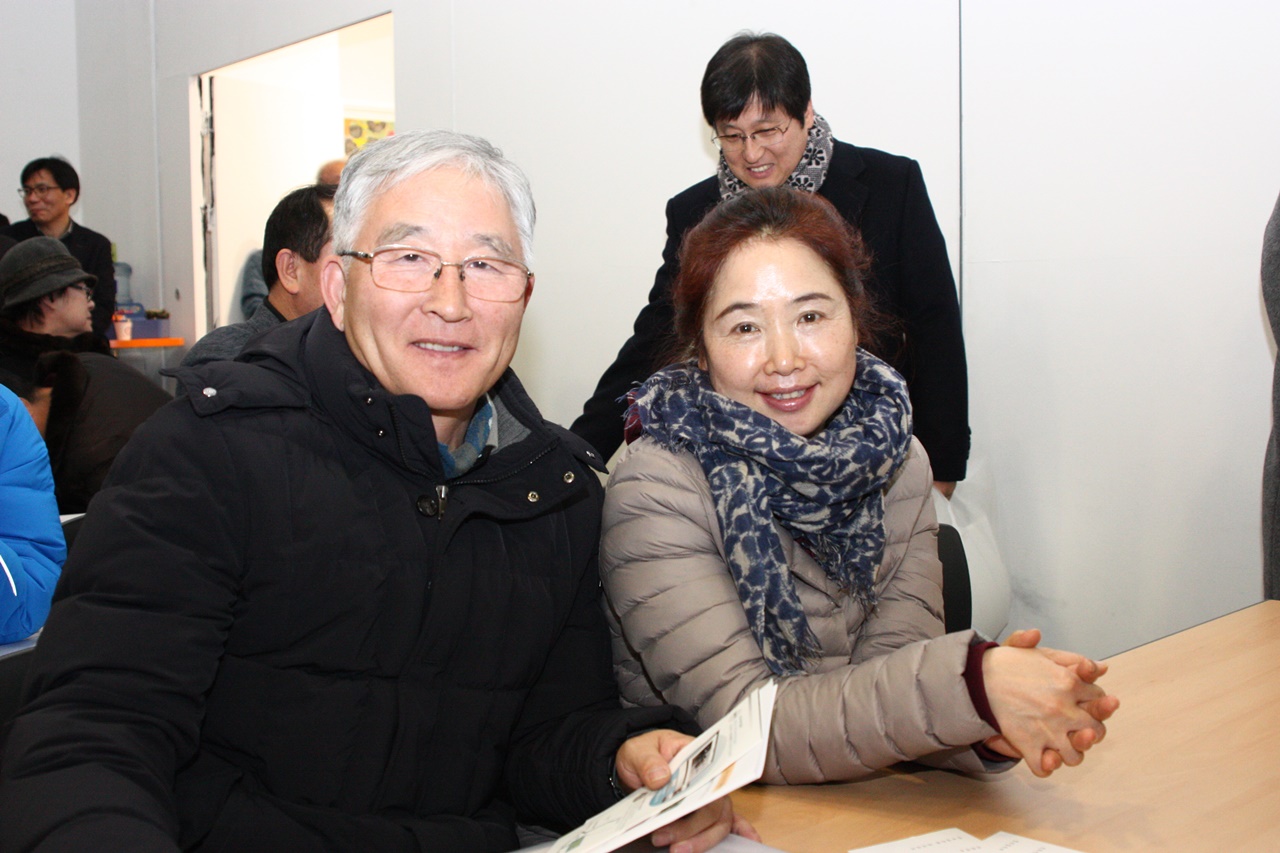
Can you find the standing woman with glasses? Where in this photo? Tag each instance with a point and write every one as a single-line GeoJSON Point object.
{"type": "Point", "coordinates": [756, 99]}
{"type": "Point", "coordinates": [50, 188]}
{"type": "Point", "coordinates": [772, 521]}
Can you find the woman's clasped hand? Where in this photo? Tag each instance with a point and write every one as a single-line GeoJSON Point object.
{"type": "Point", "coordinates": [1047, 702]}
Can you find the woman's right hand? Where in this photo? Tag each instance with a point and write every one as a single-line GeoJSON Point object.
{"type": "Point", "coordinates": [1045, 702]}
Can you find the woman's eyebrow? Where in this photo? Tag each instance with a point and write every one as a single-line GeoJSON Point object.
{"type": "Point", "coordinates": [736, 306]}
{"type": "Point", "coordinates": [811, 297]}
{"type": "Point", "coordinates": [816, 296]}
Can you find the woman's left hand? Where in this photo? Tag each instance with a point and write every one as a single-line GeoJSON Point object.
{"type": "Point", "coordinates": [645, 760]}
{"type": "Point", "coordinates": [1100, 708]}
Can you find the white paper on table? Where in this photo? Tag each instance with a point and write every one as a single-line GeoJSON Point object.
{"type": "Point", "coordinates": [943, 841]}
{"type": "Point", "coordinates": [958, 841]}
{"type": "Point", "coordinates": [722, 759]}
{"type": "Point", "coordinates": [1005, 842]}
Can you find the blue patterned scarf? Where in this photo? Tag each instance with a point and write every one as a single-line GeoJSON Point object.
{"type": "Point", "coordinates": [826, 491]}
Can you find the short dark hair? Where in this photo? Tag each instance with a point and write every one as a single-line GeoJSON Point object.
{"type": "Point", "coordinates": [64, 174]}
{"type": "Point", "coordinates": [299, 223]}
{"type": "Point", "coordinates": [755, 65]}
{"type": "Point", "coordinates": [773, 213]}
{"type": "Point", "coordinates": [30, 311]}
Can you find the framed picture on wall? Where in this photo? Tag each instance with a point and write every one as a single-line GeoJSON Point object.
{"type": "Point", "coordinates": [359, 131]}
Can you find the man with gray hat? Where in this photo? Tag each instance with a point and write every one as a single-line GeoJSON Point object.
{"type": "Point", "coordinates": [85, 402]}
{"type": "Point", "coordinates": [45, 289]}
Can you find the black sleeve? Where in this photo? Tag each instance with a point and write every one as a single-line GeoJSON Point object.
{"type": "Point", "coordinates": [559, 768]}
{"type": "Point", "coordinates": [601, 420]}
{"type": "Point", "coordinates": [939, 384]}
{"type": "Point", "coordinates": [133, 641]}
{"type": "Point", "coordinates": [98, 261]}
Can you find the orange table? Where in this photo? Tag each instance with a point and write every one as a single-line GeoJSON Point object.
{"type": "Point", "coordinates": [1191, 762]}
{"type": "Point", "coordinates": [147, 343]}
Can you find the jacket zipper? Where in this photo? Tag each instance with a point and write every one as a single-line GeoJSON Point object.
{"type": "Point", "coordinates": [442, 490]}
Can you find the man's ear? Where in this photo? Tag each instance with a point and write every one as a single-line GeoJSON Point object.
{"type": "Point", "coordinates": [287, 270]}
{"type": "Point", "coordinates": [333, 287]}
{"type": "Point", "coordinates": [75, 197]}
{"type": "Point", "coordinates": [808, 116]}
{"type": "Point", "coordinates": [528, 291]}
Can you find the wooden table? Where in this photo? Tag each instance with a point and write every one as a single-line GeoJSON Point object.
{"type": "Point", "coordinates": [1191, 762]}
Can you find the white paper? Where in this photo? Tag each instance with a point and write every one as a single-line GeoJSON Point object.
{"type": "Point", "coordinates": [722, 759]}
{"type": "Point", "coordinates": [942, 841]}
{"type": "Point", "coordinates": [958, 841]}
{"type": "Point", "coordinates": [1004, 842]}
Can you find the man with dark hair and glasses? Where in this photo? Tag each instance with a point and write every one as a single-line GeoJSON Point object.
{"type": "Point", "coordinates": [756, 99]}
{"type": "Point", "coordinates": [343, 594]}
{"type": "Point", "coordinates": [297, 240]}
{"type": "Point", "coordinates": [50, 188]}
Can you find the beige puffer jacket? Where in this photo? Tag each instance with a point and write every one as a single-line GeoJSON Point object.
{"type": "Point", "coordinates": [889, 686]}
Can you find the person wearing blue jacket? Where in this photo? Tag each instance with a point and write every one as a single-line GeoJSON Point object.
{"type": "Point", "coordinates": [32, 548]}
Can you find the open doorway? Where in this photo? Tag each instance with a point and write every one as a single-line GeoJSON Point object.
{"type": "Point", "coordinates": [269, 123]}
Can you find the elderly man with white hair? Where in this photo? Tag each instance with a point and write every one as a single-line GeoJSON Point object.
{"type": "Point", "coordinates": [342, 595]}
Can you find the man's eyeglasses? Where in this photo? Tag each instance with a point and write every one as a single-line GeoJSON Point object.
{"type": "Point", "coordinates": [41, 190]}
{"type": "Point", "coordinates": [732, 143]}
{"type": "Point", "coordinates": [408, 269]}
{"type": "Point", "coordinates": [83, 287]}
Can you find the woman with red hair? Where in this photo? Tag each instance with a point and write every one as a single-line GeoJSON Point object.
{"type": "Point", "coordinates": [772, 520]}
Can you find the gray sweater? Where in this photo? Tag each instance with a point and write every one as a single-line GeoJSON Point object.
{"type": "Point", "coordinates": [225, 342]}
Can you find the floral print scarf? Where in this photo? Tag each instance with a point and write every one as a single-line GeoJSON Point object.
{"type": "Point", "coordinates": [826, 490]}
{"type": "Point", "coordinates": [809, 173]}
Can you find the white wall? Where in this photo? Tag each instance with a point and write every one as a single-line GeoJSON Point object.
{"type": "Point", "coordinates": [610, 126]}
{"type": "Point", "coordinates": [275, 120]}
{"type": "Point", "coordinates": [38, 42]}
{"type": "Point", "coordinates": [1119, 164]}
{"type": "Point", "coordinates": [139, 99]}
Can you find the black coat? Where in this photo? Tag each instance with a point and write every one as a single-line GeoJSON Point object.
{"type": "Point", "coordinates": [96, 404]}
{"type": "Point", "coordinates": [93, 251]}
{"type": "Point", "coordinates": [883, 195]}
{"type": "Point", "coordinates": [273, 635]}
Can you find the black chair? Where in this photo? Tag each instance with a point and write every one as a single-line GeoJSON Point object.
{"type": "Point", "coordinates": [957, 595]}
{"type": "Point", "coordinates": [13, 673]}
{"type": "Point", "coordinates": [13, 667]}
{"type": "Point", "coordinates": [70, 528]}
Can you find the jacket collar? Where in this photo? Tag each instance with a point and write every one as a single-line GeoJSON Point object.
{"type": "Point", "coordinates": [308, 363]}
{"type": "Point", "coordinates": [842, 186]}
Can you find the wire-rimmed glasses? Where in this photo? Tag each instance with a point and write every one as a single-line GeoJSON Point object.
{"type": "Point", "coordinates": [765, 138]}
{"type": "Point", "coordinates": [409, 269]}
